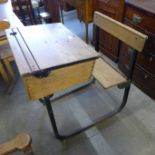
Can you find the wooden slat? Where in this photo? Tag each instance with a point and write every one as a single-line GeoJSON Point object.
{"type": "Point", "coordinates": [106, 75]}
{"type": "Point", "coordinates": [131, 37]}
{"type": "Point", "coordinates": [58, 80]}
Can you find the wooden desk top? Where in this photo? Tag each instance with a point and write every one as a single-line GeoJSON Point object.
{"type": "Point", "coordinates": [47, 47]}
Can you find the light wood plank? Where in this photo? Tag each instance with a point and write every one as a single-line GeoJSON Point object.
{"type": "Point", "coordinates": [58, 80]}
{"type": "Point", "coordinates": [131, 37]}
{"type": "Point", "coordinates": [106, 75]}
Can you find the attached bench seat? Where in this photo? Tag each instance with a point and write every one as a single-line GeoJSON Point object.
{"type": "Point", "coordinates": [106, 75]}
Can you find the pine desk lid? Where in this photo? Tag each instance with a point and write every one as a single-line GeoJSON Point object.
{"type": "Point", "coordinates": [45, 47]}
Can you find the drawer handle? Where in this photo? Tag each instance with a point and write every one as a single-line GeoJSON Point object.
{"type": "Point", "coordinates": [152, 55]}
{"type": "Point", "coordinates": [150, 59]}
{"type": "Point", "coordinates": [145, 76]}
{"type": "Point", "coordinates": [136, 19]}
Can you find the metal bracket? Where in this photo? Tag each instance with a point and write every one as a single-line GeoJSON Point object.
{"type": "Point", "coordinates": [124, 85]}
{"type": "Point", "coordinates": [41, 74]}
{"type": "Point", "coordinates": [13, 33]}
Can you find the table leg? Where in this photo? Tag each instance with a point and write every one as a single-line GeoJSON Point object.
{"type": "Point", "coordinates": [86, 33]}
{"type": "Point", "coordinates": [50, 111]}
{"type": "Point", "coordinates": [51, 116]}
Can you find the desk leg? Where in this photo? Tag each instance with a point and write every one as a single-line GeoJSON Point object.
{"type": "Point", "coordinates": [86, 33]}
{"type": "Point", "coordinates": [48, 104]}
{"type": "Point", "coordinates": [51, 116]}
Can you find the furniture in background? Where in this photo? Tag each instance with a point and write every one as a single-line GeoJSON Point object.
{"type": "Point", "coordinates": [141, 16]}
{"type": "Point", "coordinates": [109, 45]}
{"type": "Point", "coordinates": [84, 11]}
{"type": "Point", "coordinates": [21, 142]}
{"type": "Point", "coordinates": [53, 8]}
{"type": "Point", "coordinates": [24, 10]}
{"type": "Point", "coordinates": [7, 20]}
{"type": "Point", "coordinates": [3, 73]}
{"type": "Point", "coordinates": [45, 17]}
{"type": "Point", "coordinates": [6, 57]}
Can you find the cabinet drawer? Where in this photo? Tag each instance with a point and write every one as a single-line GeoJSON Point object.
{"type": "Point", "coordinates": [106, 9]}
{"type": "Point", "coordinates": [146, 59]}
{"type": "Point", "coordinates": [147, 62]}
{"type": "Point", "coordinates": [144, 81]}
{"type": "Point", "coordinates": [140, 18]}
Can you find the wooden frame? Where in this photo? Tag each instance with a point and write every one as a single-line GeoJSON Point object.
{"type": "Point", "coordinates": [124, 33]}
{"type": "Point", "coordinates": [72, 75]}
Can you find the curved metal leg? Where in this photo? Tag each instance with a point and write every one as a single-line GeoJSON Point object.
{"type": "Point", "coordinates": [48, 104]}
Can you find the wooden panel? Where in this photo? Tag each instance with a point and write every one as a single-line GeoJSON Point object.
{"type": "Point", "coordinates": [58, 80]}
{"type": "Point", "coordinates": [124, 33]}
{"type": "Point", "coordinates": [54, 45]}
{"type": "Point", "coordinates": [85, 10]}
{"type": "Point", "coordinates": [52, 6]}
{"type": "Point", "coordinates": [109, 45]}
{"type": "Point", "coordinates": [106, 75]}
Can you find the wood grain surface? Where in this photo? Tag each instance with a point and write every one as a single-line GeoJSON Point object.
{"type": "Point", "coordinates": [106, 75]}
{"type": "Point", "coordinates": [58, 80]}
{"type": "Point", "coordinates": [50, 46]}
{"type": "Point", "coordinates": [129, 36]}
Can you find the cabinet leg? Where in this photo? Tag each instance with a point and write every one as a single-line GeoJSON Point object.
{"type": "Point", "coordinates": [86, 33]}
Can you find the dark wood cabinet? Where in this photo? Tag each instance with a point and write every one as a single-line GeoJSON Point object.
{"type": "Point", "coordinates": [141, 16]}
{"type": "Point", "coordinates": [113, 8]}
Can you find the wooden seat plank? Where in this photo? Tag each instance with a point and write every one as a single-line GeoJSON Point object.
{"type": "Point", "coordinates": [107, 75]}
